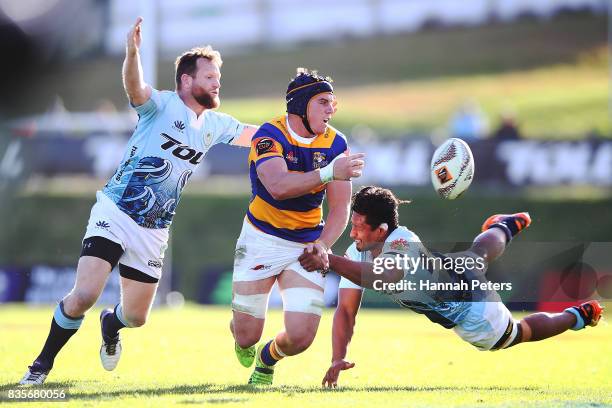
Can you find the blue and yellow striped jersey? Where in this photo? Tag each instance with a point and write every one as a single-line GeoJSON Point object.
{"type": "Point", "coordinates": [297, 219]}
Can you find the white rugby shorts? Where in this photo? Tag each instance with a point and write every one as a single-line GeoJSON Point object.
{"type": "Point", "coordinates": [259, 255]}
{"type": "Point", "coordinates": [143, 247]}
{"type": "Point", "coordinates": [485, 324]}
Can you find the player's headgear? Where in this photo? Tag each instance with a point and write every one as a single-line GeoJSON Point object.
{"type": "Point", "coordinates": [302, 89]}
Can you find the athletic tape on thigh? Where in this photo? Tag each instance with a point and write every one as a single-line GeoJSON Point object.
{"type": "Point", "coordinates": [254, 305]}
{"type": "Point", "coordinates": [304, 300]}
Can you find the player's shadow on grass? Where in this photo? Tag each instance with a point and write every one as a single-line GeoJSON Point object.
{"type": "Point", "coordinates": [51, 384]}
{"type": "Point", "coordinates": [209, 390]}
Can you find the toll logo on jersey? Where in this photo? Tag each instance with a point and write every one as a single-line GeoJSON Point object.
{"type": "Point", "coordinates": [319, 160]}
{"type": "Point", "coordinates": [182, 151]}
{"type": "Point", "coordinates": [265, 145]}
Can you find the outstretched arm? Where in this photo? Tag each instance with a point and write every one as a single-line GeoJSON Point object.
{"type": "Point", "coordinates": [360, 273]}
{"type": "Point", "coordinates": [342, 332]}
{"type": "Point", "coordinates": [137, 90]}
{"type": "Point", "coordinates": [244, 140]}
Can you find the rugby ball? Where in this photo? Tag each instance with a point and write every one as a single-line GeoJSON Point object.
{"type": "Point", "coordinates": [452, 168]}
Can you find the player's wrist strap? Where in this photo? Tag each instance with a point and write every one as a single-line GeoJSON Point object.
{"type": "Point", "coordinates": [327, 173]}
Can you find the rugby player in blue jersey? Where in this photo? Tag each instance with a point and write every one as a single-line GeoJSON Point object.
{"type": "Point", "coordinates": [295, 161]}
{"type": "Point", "coordinates": [474, 312]}
{"type": "Point", "coordinates": [129, 222]}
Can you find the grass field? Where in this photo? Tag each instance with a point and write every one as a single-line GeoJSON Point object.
{"type": "Point", "coordinates": [185, 357]}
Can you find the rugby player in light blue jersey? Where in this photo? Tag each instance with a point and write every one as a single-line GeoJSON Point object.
{"type": "Point", "coordinates": [129, 222]}
{"type": "Point", "coordinates": [474, 312]}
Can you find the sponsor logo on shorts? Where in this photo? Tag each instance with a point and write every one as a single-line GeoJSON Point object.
{"type": "Point", "coordinates": [154, 264]}
{"type": "Point", "coordinates": [103, 225]}
{"type": "Point", "coordinates": [240, 252]}
{"type": "Point", "coordinates": [261, 267]}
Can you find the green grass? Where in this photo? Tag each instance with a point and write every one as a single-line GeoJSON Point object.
{"type": "Point", "coordinates": [185, 357]}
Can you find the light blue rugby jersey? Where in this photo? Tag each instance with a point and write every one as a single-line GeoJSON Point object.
{"type": "Point", "coordinates": [404, 242]}
{"type": "Point", "coordinates": [167, 145]}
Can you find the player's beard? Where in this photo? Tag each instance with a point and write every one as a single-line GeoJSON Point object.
{"type": "Point", "coordinates": [204, 98]}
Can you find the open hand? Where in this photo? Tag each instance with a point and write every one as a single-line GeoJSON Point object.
{"type": "Point", "coordinates": [134, 37]}
{"type": "Point", "coordinates": [347, 167]}
{"type": "Point", "coordinates": [331, 376]}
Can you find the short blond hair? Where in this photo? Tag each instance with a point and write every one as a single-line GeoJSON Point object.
{"type": "Point", "coordinates": [186, 63]}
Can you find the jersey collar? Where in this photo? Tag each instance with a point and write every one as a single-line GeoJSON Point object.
{"type": "Point", "coordinates": [301, 139]}
{"type": "Point", "coordinates": [194, 121]}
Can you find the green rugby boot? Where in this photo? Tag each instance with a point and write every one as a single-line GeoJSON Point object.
{"type": "Point", "coordinates": [262, 374]}
{"type": "Point", "coordinates": [245, 356]}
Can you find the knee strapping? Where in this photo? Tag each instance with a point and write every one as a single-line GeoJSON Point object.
{"type": "Point", "coordinates": [304, 300]}
{"type": "Point", "coordinates": [253, 305]}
